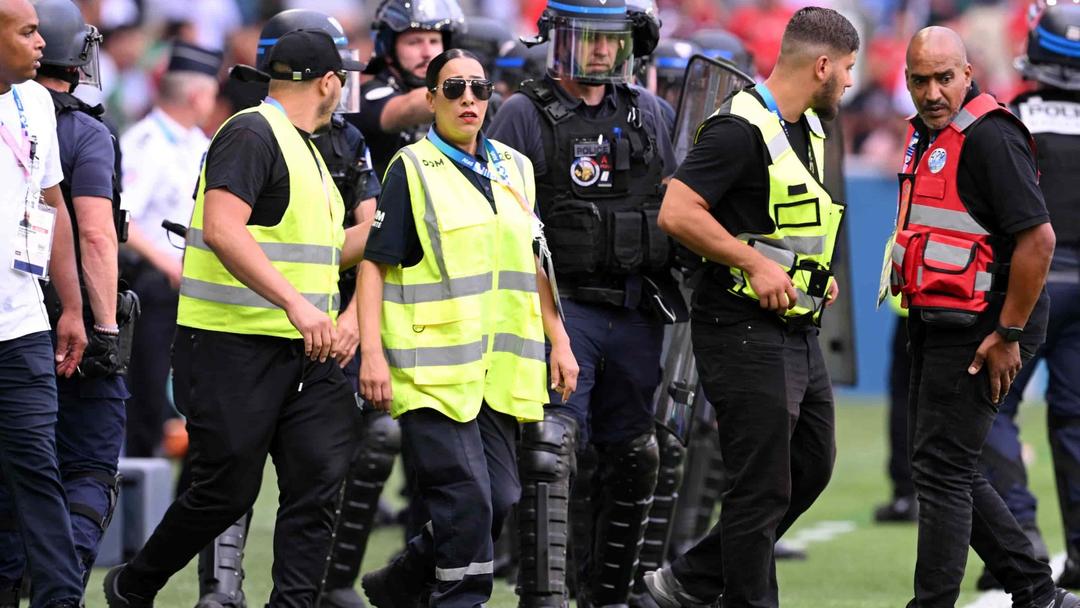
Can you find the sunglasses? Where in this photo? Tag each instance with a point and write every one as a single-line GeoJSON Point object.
{"type": "Point", "coordinates": [342, 76]}
{"type": "Point", "coordinates": [454, 88]}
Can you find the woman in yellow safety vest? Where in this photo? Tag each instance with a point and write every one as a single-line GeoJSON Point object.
{"type": "Point", "coordinates": [454, 310]}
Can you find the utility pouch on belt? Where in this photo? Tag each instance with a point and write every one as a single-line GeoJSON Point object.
{"type": "Point", "coordinates": [585, 237]}
{"type": "Point", "coordinates": [127, 312]}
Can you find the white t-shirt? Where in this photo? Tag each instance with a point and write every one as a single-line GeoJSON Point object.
{"type": "Point", "coordinates": [21, 309]}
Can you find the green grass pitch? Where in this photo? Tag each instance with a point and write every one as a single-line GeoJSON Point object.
{"type": "Point", "coordinates": [868, 567]}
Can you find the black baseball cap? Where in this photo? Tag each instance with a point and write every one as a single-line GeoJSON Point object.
{"type": "Point", "coordinates": [307, 54]}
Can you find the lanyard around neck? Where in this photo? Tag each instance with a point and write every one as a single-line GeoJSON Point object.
{"type": "Point", "coordinates": [24, 150]}
{"type": "Point", "coordinates": [770, 104]}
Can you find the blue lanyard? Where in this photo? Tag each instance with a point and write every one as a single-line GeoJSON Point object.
{"type": "Point", "coordinates": [24, 154]}
{"type": "Point", "coordinates": [22, 114]}
{"type": "Point", "coordinates": [169, 135]}
{"type": "Point", "coordinates": [470, 162]}
{"type": "Point", "coordinates": [275, 103]}
{"type": "Point", "coordinates": [770, 103]}
{"type": "Point", "coordinates": [909, 153]}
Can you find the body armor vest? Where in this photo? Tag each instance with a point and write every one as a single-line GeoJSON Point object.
{"type": "Point", "coordinates": [1053, 118]}
{"type": "Point", "coordinates": [600, 197]}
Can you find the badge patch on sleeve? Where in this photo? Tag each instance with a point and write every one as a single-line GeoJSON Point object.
{"type": "Point", "coordinates": [937, 160]}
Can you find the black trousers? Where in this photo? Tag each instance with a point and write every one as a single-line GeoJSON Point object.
{"type": "Point", "coordinates": [950, 416]}
{"type": "Point", "coordinates": [466, 474]}
{"type": "Point", "coordinates": [246, 397]}
{"type": "Point", "coordinates": [148, 378]}
{"type": "Point", "coordinates": [774, 411]}
{"type": "Point", "coordinates": [899, 383]}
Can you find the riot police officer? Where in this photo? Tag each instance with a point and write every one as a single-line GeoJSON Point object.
{"type": "Point", "coordinates": [601, 150]}
{"type": "Point", "coordinates": [520, 63]}
{"type": "Point", "coordinates": [407, 36]}
{"type": "Point", "coordinates": [1050, 114]}
{"type": "Point", "coordinates": [668, 69]}
{"type": "Point", "coordinates": [347, 158]}
{"type": "Point", "coordinates": [487, 38]}
{"type": "Point", "coordinates": [90, 419]}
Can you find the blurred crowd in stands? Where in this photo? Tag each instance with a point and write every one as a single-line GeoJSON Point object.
{"type": "Point", "coordinates": [138, 34]}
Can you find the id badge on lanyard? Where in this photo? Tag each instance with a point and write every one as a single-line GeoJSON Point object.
{"type": "Point", "coordinates": [32, 246]}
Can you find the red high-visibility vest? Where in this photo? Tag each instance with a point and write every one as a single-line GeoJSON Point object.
{"type": "Point", "coordinates": [943, 258]}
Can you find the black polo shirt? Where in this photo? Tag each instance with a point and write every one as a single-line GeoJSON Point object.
{"type": "Point", "coordinates": [997, 181]}
{"type": "Point", "coordinates": [728, 167]}
{"type": "Point", "coordinates": [393, 239]}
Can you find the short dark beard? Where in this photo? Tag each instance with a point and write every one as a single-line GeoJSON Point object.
{"type": "Point", "coordinates": [826, 102]}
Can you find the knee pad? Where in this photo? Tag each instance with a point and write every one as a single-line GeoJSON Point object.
{"type": "Point", "coordinates": [628, 475]}
{"type": "Point", "coordinates": [545, 463]}
{"type": "Point", "coordinates": [100, 514]}
{"type": "Point", "coordinates": [658, 530]}
{"type": "Point", "coordinates": [221, 568]}
{"type": "Point", "coordinates": [380, 443]}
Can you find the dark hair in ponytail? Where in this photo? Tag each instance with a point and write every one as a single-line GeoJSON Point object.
{"type": "Point", "coordinates": [431, 77]}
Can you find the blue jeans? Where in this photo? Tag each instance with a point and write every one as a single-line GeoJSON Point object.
{"type": "Point", "coordinates": [28, 411]}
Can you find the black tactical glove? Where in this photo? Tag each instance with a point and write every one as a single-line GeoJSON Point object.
{"type": "Point", "coordinates": [102, 356]}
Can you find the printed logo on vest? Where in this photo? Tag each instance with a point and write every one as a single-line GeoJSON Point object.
{"type": "Point", "coordinates": [585, 172]}
{"type": "Point", "coordinates": [937, 160]}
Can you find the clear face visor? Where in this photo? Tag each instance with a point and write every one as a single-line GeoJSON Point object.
{"type": "Point", "coordinates": [592, 51]}
{"type": "Point", "coordinates": [350, 92]}
{"type": "Point", "coordinates": [90, 70]}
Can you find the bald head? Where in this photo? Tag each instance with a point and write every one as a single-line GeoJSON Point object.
{"type": "Point", "coordinates": [937, 42]}
{"type": "Point", "coordinates": [938, 75]}
{"type": "Point", "coordinates": [20, 43]}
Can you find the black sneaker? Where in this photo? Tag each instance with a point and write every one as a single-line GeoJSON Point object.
{"type": "Point", "coordinates": [1070, 576]}
{"type": "Point", "coordinates": [346, 597]}
{"type": "Point", "coordinates": [902, 509]}
{"type": "Point", "coordinates": [1063, 599]}
{"type": "Point", "coordinates": [115, 598]}
{"type": "Point", "coordinates": [392, 587]}
{"type": "Point", "coordinates": [668, 591]}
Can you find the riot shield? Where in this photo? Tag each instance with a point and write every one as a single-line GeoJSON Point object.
{"type": "Point", "coordinates": [678, 385]}
{"type": "Point", "coordinates": [709, 82]}
{"type": "Point", "coordinates": [838, 323]}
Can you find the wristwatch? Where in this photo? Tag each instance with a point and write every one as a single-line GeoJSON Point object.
{"type": "Point", "coordinates": [1010, 334]}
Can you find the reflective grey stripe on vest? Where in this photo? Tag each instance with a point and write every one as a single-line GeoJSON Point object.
{"type": "Point", "coordinates": [457, 574]}
{"type": "Point", "coordinates": [963, 120]}
{"type": "Point", "coordinates": [523, 347]}
{"type": "Point", "coordinates": [803, 245]}
{"type": "Point", "coordinates": [948, 254]}
{"type": "Point", "coordinates": [781, 256]}
{"type": "Point", "coordinates": [436, 292]}
{"type": "Point", "coordinates": [280, 252]}
{"type": "Point", "coordinates": [242, 296]}
{"type": "Point", "coordinates": [517, 281]}
{"type": "Point", "coordinates": [983, 281]}
{"type": "Point", "coordinates": [815, 125]}
{"type": "Point", "coordinates": [807, 301]}
{"type": "Point", "coordinates": [936, 217]}
{"type": "Point", "coordinates": [430, 219]}
{"type": "Point", "coordinates": [898, 252]}
{"type": "Point", "coordinates": [433, 356]}
{"type": "Point", "coordinates": [778, 145]}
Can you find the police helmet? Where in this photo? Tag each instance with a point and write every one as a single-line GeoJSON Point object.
{"type": "Point", "coordinates": [592, 41]}
{"type": "Point", "coordinates": [519, 64]}
{"type": "Point", "coordinates": [487, 38]}
{"type": "Point", "coordinates": [396, 16]}
{"type": "Point", "coordinates": [1053, 45]}
{"type": "Point", "coordinates": [645, 19]}
{"type": "Point", "coordinates": [668, 64]}
{"type": "Point", "coordinates": [295, 19]}
{"type": "Point", "coordinates": [722, 44]}
{"type": "Point", "coordinates": [71, 46]}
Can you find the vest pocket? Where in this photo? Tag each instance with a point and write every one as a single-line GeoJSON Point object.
{"type": "Point", "coordinates": [626, 252]}
{"type": "Point", "coordinates": [575, 233]}
{"type": "Point", "coordinates": [449, 344]}
{"type": "Point", "coordinates": [466, 243]}
{"type": "Point", "coordinates": [797, 214]}
{"type": "Point", "coordinates": [937, 264]}
{"type": "Point", "coordinates": [657, 242]}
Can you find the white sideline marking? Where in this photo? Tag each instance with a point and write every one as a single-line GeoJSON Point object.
{"type": "Point", "coordinates": [818, 533]}
{"type": "Point", "coordinates": [999, 599]}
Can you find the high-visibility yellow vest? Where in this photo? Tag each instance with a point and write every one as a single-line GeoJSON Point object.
{"type": "Point", "coordinates": [805, 217]}
{"type": "Point", "coordinates": [463, 326]}
{"type": "Point", "coordinates": [305, 247]}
